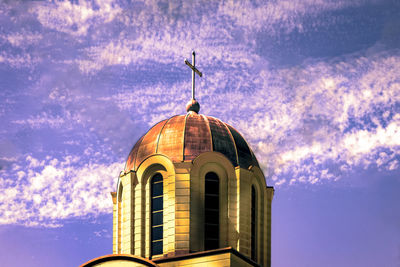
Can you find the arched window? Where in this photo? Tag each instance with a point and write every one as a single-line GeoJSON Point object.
{"type": "Point", "coordinates": [120, 218]}
{"type": "Point", "coordinates": [211, 211]}
{"type": "Point", "coordinates": [156, 188]}
{"type": "Point", "coordinates": [253, 224]}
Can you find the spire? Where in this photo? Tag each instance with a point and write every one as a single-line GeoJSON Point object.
{"type": "Point", "coordinates": [193, 105]}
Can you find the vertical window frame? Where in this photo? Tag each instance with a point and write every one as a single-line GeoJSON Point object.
{"type": "Point", "coordinates": [210, 222]}
{"type": "Point", "coordinates": [153, 228]}
{"type": "Point", "coordinates": [120, 217]}
{"type": "Point", "coordinates": [253, 224]}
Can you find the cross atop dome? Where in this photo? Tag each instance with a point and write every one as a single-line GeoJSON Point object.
{"type": "Point", "coordinates": [193, 105]}
{"type": "Point", "coordinates": [192, 193]}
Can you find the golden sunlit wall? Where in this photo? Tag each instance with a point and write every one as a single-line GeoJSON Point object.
{"type": "Point", "coordinates": [183, 207]}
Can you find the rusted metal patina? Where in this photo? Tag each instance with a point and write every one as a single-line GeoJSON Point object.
{"type": "Point", "coordinates": [197, 136]}
{"type": "Point", "coordinates": [171, 138]}
{"type": "Point", "coordinates": [148, 145]}
{"type": "Point", "coordinates": [184, 137]}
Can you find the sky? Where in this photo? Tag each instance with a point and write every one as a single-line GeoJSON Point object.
{"type": "Point", "coordinates": [312, 85]}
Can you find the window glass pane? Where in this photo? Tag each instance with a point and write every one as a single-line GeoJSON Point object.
{"type": "Point", "coordinates": [157, 178]}
{"type": "Point", "coordinates": [253, 224]}
{"type": "Point", "coordinates": [212, 187]}
{"type": "Point", "coordinates": [157, 204]}
{"type": "Point", "coordinates": [211, 244]}
{"type": "Point", "coordinates": [211, 212]}
{"type": "Point", "coordinates": [212, 216]}
{"type": "Point", "coordinates": [157, 248]}
{"type": "Point", "coordinates": [212, 176]}
{"type": "Point", "coordinates": [157, 218]}
{"type": "Point", "coordinates": [157, 189]}
{"type": "Point", "coordinates": [157, 233]}
{"type": "Point", "coordinates": [156, 214]}
{"type": "Point", "coordinates": [211, 201]}
{"type": "Point", "coordinates": [212, 231]}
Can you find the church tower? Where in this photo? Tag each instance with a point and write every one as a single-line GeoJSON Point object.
{"type": "Point", "coordinates": [191, 194]}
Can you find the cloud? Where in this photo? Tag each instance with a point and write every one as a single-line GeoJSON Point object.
{"type": "Point", "coordinates": [19, 61]}
{"type": "Point", "coordinates": [51, 190]}
{"type": "Point", "coordinates": [314, 122]}
{"type": "Point", "coordinates": [276, 15]}
{"type": "Point", "coordinates": [102, 233]}
{"type": "Point", "coordinates": [103, 72]}
{"type": "Point", "coordinates": [75, 18]}
{"type": "Point", "coordinates": [23, 38]}
{"type": "Point", "coordinates": [162, 46]}
{"type": "Point", "coordinates": [334, 113]}
{"type": "Point", "coordinates": [226, 32]}
{"type": "Point", "coordinates": [157, 33]}
{"type": "Point", "coordinates": [41, 120]}
{"type": "Point", "coordinates": [359, 148]}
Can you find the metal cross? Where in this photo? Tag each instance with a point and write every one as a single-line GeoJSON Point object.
{"type": "Point", "coordinates": [193, 67]}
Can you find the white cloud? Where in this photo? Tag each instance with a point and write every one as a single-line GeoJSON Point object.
{"type": "Point", "coordinates": [75, 18]}
{"type": "Point", "coordinates": [41, 120]}
{"type": "Point", "coordinates": [154, 35]}
{"type": "Point", "coordinates": [364, 141]}
{"type": "Point", "coordinates": [57, 189]}
{"type": "Point", "coordinates": [159, 33]}
{"type": "Point", "coordinates": [280, 182]}
{"type": "Point", "coordinates": [44, 119]}
{"type": "Point", "coordinates": [162, 47]}
{"type": "Point", "coordinates": [277, 15]}
{"type": "Point", "coordinates": [298, 120]}
{"type": "Point", "coordinates": [23, 38]}
{"type": "Point", "coordinates": [101, 233]}
{"type": "Point", "coordinates": [19, 61]}
{"type": "Point", "coordinates": [343, 112]}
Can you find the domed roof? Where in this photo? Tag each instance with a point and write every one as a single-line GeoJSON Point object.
{"type": "Point", "coordinates": [184, 137]}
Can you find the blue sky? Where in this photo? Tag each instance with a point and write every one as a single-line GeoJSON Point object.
{"type": "Point", "coordinates": [313, 86]}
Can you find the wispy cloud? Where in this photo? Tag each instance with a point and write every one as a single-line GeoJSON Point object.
{"type": "Point", "coordinates": [23, 38]}
{"type": "Point", "coordinates": [75, 18]}
{"type": "Point", "coordinates": [47, 191]}
{"type": "Point", "coordinates": [300, 120]}
{"type": "Point", "coordinates": [225, 32]}
{"type": "Point", "coordinates": [278, 15]}
{"type": "Point", "coordinates": [19, 61]}
{"type": "Point", "coordinates": [87, 78]}
{"type": "Point", "coordinates": [344, 112]}
{"type": "Point", "coordinates": [42, 120]}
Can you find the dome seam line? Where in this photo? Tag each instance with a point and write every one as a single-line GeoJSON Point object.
{"type": "Point", "coordinates": [159, 134]}
{"type": "Point", "coordinates": [209, 130]}
{"type": "Point", "coordinates": [137, 151]}
{"type": "Point", "coordinates": [234, 142]}
{"type": "Point", "coordinates": [184, 134]}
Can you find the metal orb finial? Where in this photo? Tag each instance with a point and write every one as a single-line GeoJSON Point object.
{"type": "Point", "coordinates": [193, 105]}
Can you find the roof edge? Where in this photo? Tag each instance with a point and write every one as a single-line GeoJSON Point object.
{"type": "Point", "coordinates": [112, 257]}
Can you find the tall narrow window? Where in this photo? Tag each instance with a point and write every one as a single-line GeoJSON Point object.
{"type": "Point", "coordinates": [253, 224]}
{"type": "Point", "coordinates": [120, 219]}
{"type": "Point", "coordinates": [211, 211]}
{"type": "Point", "coordinates": [157, 206]}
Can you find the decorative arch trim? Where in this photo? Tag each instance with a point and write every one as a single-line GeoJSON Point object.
{"type": "Point", "coordinates": [260, 195]}
{"type": "Point", "coordinates": [158, 159]}
{"type": "Point", "coordinates": [118, 257]}
{"type": "Point", "coordinates": [212, 157]}
{"type": "Point", "coordinates": [259, 175]}
{"type": "Point", "coordinates": [219, 164]}
{"type": "Point", "coordinates": [153, 164]}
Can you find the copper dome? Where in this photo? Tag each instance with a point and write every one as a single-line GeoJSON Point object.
{"type": "Point", "coordinates": [184, 137]}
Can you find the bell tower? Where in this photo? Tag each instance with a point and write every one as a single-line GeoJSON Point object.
{"type": "Point", "coordinates": [191, 194]}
